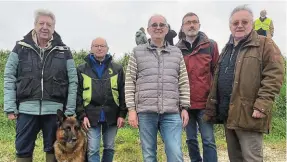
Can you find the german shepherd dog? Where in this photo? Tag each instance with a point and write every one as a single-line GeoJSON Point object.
{"type": "Point", "coordinates": [70, 144]}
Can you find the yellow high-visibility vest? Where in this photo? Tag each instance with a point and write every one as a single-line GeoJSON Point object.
{"type": "Point", "coordinates": [265, 25]}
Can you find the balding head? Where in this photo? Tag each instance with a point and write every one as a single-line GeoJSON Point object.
{"type": "Point", "coordinates": [99, 40]}
{"type": "Point", "coordinates": [156, 16]}
{"type": "Point", "coordinates": [99, 48]}
{"type": "Point", "coordinates": [263, 13]}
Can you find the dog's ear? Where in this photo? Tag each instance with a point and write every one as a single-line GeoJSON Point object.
{"type": "Point", "coordinates": [61, 116]}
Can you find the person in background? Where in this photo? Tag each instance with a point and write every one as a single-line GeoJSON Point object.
{"type": "Point", "coordinates": [264, 25]}
{"type": "Point", "coordinates": [170, 35]}
{"type": "Point", "coordinates": [141, 36]}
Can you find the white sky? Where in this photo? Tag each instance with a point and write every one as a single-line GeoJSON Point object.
{"type": "Point", "coordinates": [79, 22]}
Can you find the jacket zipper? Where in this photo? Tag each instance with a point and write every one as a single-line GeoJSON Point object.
{"type": "Point", "coordinates": [42, 73]}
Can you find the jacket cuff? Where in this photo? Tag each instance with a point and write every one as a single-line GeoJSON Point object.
{"type": "Point", "coordinates": [183, 108]}
{"type": "Point", "coordinates": [123, 114]}
{"type": "Point", "coordinates": [132, 109]}
{"type": "Point", "coordinates": [10, 112]}
{"type": "Point", "coordinates": [81, 116]}
{"type": "Point", "coordinates": [263, 106]}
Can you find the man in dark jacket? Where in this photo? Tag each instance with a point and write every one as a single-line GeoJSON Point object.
{"type": "Point", "coordinates": [101, 101]}
{"type": "Point", "coordinates": [200, 55]}
{"type": "Point", "coordinates": [248, 76]}
{"type": "Point", "coordinates": [40, 77]}
{"type": "Point", "coordinates": [170, 35]}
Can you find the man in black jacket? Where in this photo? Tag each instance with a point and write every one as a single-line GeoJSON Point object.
{"type": "Point", "coordinates": [170, 35]}
{"type": "Point", "coordinates": [101, 100]}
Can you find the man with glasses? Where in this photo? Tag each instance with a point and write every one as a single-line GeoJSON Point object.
{"type": "Point", "coordinates": [157, 93]}
{"type": "Point", "coordinates": [101, 103]}
{"type": "Point", "coordinates": [248, 76]}
{"type": "Point", "coordinates": [200, 55]}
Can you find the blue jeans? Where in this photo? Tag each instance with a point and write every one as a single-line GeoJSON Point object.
{"type": "Point", "coordinates": [207, 136]}
{"type": "Point", "coordinates": [94, 141]}
{"type": "Point", "coordinates": [170, 128]}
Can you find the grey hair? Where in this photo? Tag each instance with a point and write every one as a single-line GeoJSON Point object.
{"type": "Point", "coordinates": [44, 12]}
{"type": "Point", "coordinates": [155, 16]}
{"type": "Point", "coordinates": [241, 8]}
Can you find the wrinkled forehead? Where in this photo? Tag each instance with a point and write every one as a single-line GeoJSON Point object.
{"type": "Point", "coordinates": [99, 41]}
{"type": "Point", "coordinates": [241, 15]}
{"type": "Point", "coordinates": [190, 18]}
{"type": "Point", "coordinates": [45, 19]}
{"type": "Point", "coordinates": [157, 19]}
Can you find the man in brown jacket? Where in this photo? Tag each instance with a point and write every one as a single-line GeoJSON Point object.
{"type": "Point", "coordinates": [248, 76]}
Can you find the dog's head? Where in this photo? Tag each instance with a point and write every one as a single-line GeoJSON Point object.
{"type": "Point", "coordinates": [68, 130]}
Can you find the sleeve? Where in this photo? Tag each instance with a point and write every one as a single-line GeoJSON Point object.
{"type": "Point", "coordinates": [121, 88]}
{"type": "Point", "coordinates": [272, 77]}
{"type": "Point", "coordinates": [130, 83]}
{"type": "Point", "coordinates": [80, 111]}
{"type": "Point", "coordinates": [73, 84]}
{"type": "Point", "coordinates": [184, 89]}
{"type": "Point", "coordinates": [10, 78]}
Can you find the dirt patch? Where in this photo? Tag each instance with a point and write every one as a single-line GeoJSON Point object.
{"type": "Point", "coordinates": [270, 154]}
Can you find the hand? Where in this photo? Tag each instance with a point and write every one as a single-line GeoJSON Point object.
{"type": "Point", "coordinates": [258, 114]}
{"type": "Point", "coordinates": [133, 118]}
{"type": "Point", "coordinates": [86, 124]}
{"type": "Point", "coordinates": [120, 122]}
{"type": "Point", "coordinates": [12, 116]}
{"type": "Point", "coordinates": [184, 118]}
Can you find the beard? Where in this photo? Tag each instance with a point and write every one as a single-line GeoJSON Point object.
{"type": "Point", "coordinates": [192, 33]}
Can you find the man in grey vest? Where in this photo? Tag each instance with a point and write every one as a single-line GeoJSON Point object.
{"type": "Point", "coordinates": [157, 93]}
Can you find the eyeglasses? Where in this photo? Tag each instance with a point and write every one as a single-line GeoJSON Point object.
{"type": "Point", "coordinates": [237, 22]}
{"type": "Point", "coordinates": [97, 46]}
{"type": "Point", "coordinates": [194, 22]}
{"type": "Point", "coordinates": [155, 25]}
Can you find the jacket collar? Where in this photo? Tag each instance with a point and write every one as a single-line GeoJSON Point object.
{"type": "Point", "coordinates": [251, 40]}
{"type": "Point", "coordinates": [151, 46]}
{"type": "Point", "coordinates": [108, 59]}
{"type": "Point", "coordinates": [202, 40]}
{"type": "Point", "coordinates": [55, 41]}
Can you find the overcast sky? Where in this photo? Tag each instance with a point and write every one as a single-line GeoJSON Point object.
{"type": "Point", "coordinates": [80, 22]}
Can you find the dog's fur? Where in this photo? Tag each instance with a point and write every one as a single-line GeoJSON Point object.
{"type": "Point", "coordinates": [71, 143]}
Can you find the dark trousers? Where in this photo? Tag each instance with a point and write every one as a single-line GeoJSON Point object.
{"type": "Point", "coordinates": [27, 128]}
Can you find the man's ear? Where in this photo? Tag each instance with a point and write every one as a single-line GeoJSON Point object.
{"type": "Point", "coordinates": [61, 116]}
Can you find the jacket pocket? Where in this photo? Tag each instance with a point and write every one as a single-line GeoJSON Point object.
{"type": "Point", "coordinates": [60, 88]}
{"type": "Point", "coordinates": [246, 121]}
{"type": "Point", "coordinates": [24, 87]}
{"type": "Point", "coordinates": [25, 66]}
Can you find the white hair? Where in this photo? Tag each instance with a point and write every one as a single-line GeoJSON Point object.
{"type": "Point", "coordinates": [241, 8]}
{"type": "Point", "coordinates": [44, 12]}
